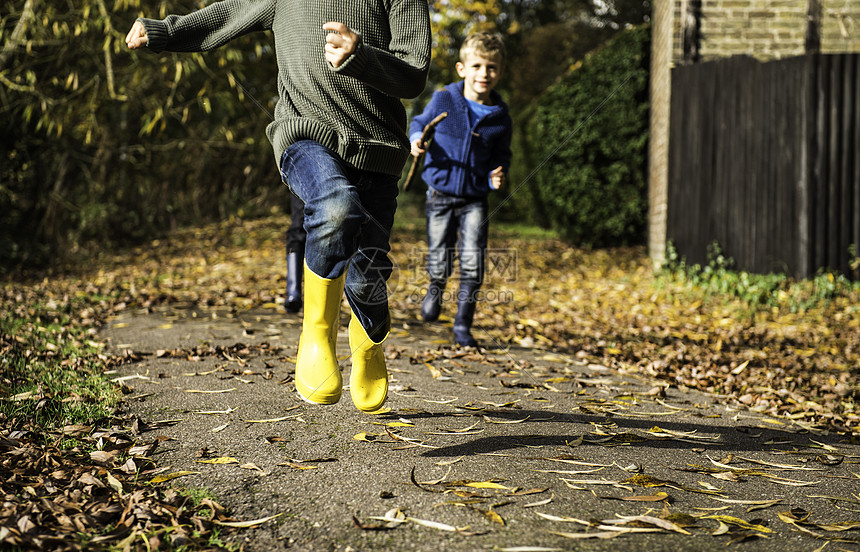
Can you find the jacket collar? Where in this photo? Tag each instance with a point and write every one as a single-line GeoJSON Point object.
{"type": "Point", "coordinates": [456, 89]}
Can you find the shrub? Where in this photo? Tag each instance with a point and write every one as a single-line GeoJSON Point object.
{"type": "Point", "coordinates": [590, 131]}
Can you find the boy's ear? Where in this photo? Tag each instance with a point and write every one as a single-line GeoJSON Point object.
{"type": "Point", "coordinates": [461, 69]}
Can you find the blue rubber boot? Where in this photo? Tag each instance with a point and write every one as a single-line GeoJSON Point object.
{"type": "Point", "coordinates": [432, 304]}
{"type": "Point", "coordinates": [293, 301]}
{"type": "Point", "coordinates": [466, 302]}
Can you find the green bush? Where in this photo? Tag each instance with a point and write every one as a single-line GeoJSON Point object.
{"type": "Point", "coordinates": [589, 137]}
{"type": "Point", "coordinates": [101, 145]}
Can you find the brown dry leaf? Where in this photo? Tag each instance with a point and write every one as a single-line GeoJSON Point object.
{"type": "Point", "coordinates": [102, 457]}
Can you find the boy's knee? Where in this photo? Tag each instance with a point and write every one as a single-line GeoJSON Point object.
{"type": "Point", "coordinates": [340, 212]}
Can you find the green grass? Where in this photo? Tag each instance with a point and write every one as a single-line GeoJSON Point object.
{"type": "Point", "coordinates": [760, 292]}
{"type": "Point", "coordinates": [52, 374]}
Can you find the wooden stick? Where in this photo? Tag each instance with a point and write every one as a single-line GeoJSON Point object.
{"type": "Point", "coordinates": [426, 135]}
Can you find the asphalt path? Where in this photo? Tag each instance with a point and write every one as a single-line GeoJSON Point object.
{"type": "Point", "coordinates": [491, 449]}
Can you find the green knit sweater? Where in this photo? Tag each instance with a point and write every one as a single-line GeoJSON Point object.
{"type": "Point", "coordinates": [355, 110]}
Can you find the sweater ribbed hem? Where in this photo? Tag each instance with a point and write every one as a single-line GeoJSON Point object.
{"type": "Point", "coordinates": [367, 156]}
{"type": "Point", "coordinates": [156, 34]}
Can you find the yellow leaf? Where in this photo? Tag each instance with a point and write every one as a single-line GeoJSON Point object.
{"type": "Point", "coordinates": [493, 516]}
{"type": "Point", "coordinates": [657, 497]}
{"type": "Point", "coordinates": [220, 460]}
{"type": "Point", "coordinates": [169, 476]}
{"type": "Point", "coordinates": [644, 480]}
{"type": "Point", "coordinates": [433, 370]}
{"type": "Point", "coordinates": [740, 368]}
{"type": "Point", "coordinates": [486, 485]}
{"type": "Point", "coordinates": [740, 523]}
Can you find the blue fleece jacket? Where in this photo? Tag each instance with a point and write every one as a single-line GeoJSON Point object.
{"type": "Point", "coordinates": [464, 151]}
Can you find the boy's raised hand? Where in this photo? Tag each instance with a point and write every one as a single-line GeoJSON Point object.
{"type": "Point", "coordinates": [136, 37]}
{"type": "Point", "coordinates": [497, 178]}
{"type": "Point", "coordinates": [340, 43]}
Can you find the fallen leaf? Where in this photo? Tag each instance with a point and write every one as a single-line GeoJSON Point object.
{"type": "Point", "coordinates": [219, 460]}
{"type": "Point", "coordinates": [739, 523]}
{"type": "Point", "coordinates": [246, 524]}
{"type": "Point", "coordinates": [486, 485]}
{"type": "Point", "coordinates": [170, 476]}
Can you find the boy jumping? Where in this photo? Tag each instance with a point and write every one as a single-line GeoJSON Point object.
{"type": "Point", "coordinates": [339, 138]}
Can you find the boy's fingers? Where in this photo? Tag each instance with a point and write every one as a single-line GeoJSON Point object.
{"type": "Point", "coordinates": [342, 36]}
{"type": "Point", "coordinates": [136, 37]}
{"type": "Point", "coordinates": [336, 27]}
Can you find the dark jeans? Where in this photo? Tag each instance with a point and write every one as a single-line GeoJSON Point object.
{"type": "Point", "coordinates": [456, 225]}
{"type": "Point", "coordinates": [348, 216]}
{"type": "Point", "coordinates": [296, 234]}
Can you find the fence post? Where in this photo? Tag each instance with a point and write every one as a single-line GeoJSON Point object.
{"type": "Point", "coordinates": [658, 141]}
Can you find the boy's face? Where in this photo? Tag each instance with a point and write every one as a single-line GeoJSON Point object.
{"type": "Point", "coordinates": [481, 73]}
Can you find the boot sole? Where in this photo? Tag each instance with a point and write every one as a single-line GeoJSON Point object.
{"type": "Point", "coordinates": [324, 402]}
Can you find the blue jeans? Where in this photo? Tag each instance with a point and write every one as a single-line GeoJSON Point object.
{"type": "Point", "coordinates": [348, 216]}
{"type": "Point", "coordinates": [456, 225]}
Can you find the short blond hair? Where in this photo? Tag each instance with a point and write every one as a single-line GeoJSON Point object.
{"type": "Point", "coordinates": [484, 44]}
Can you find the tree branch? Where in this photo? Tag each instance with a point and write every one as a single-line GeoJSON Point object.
{"type": "Point", "coordinates": [17, 33]}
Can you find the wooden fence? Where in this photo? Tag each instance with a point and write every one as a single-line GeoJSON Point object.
{"type": "Point", "coordinates": [764, 160]}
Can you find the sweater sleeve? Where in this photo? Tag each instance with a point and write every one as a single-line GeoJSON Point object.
{"type": "Point", "coordinates": [210, 27]}
{"type": "Point", "coordinates": [401, 69]}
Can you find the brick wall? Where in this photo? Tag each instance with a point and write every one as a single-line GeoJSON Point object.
{"type": "Point", "coordinates": [765, 29]}
{"type": "Point", "coordinates": [840, 26]}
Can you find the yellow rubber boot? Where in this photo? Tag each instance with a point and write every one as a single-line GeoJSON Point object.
{"type": "Point", "coordinates": [368, 382]}
{"type": "Point", "coordinates": [318, 378]}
